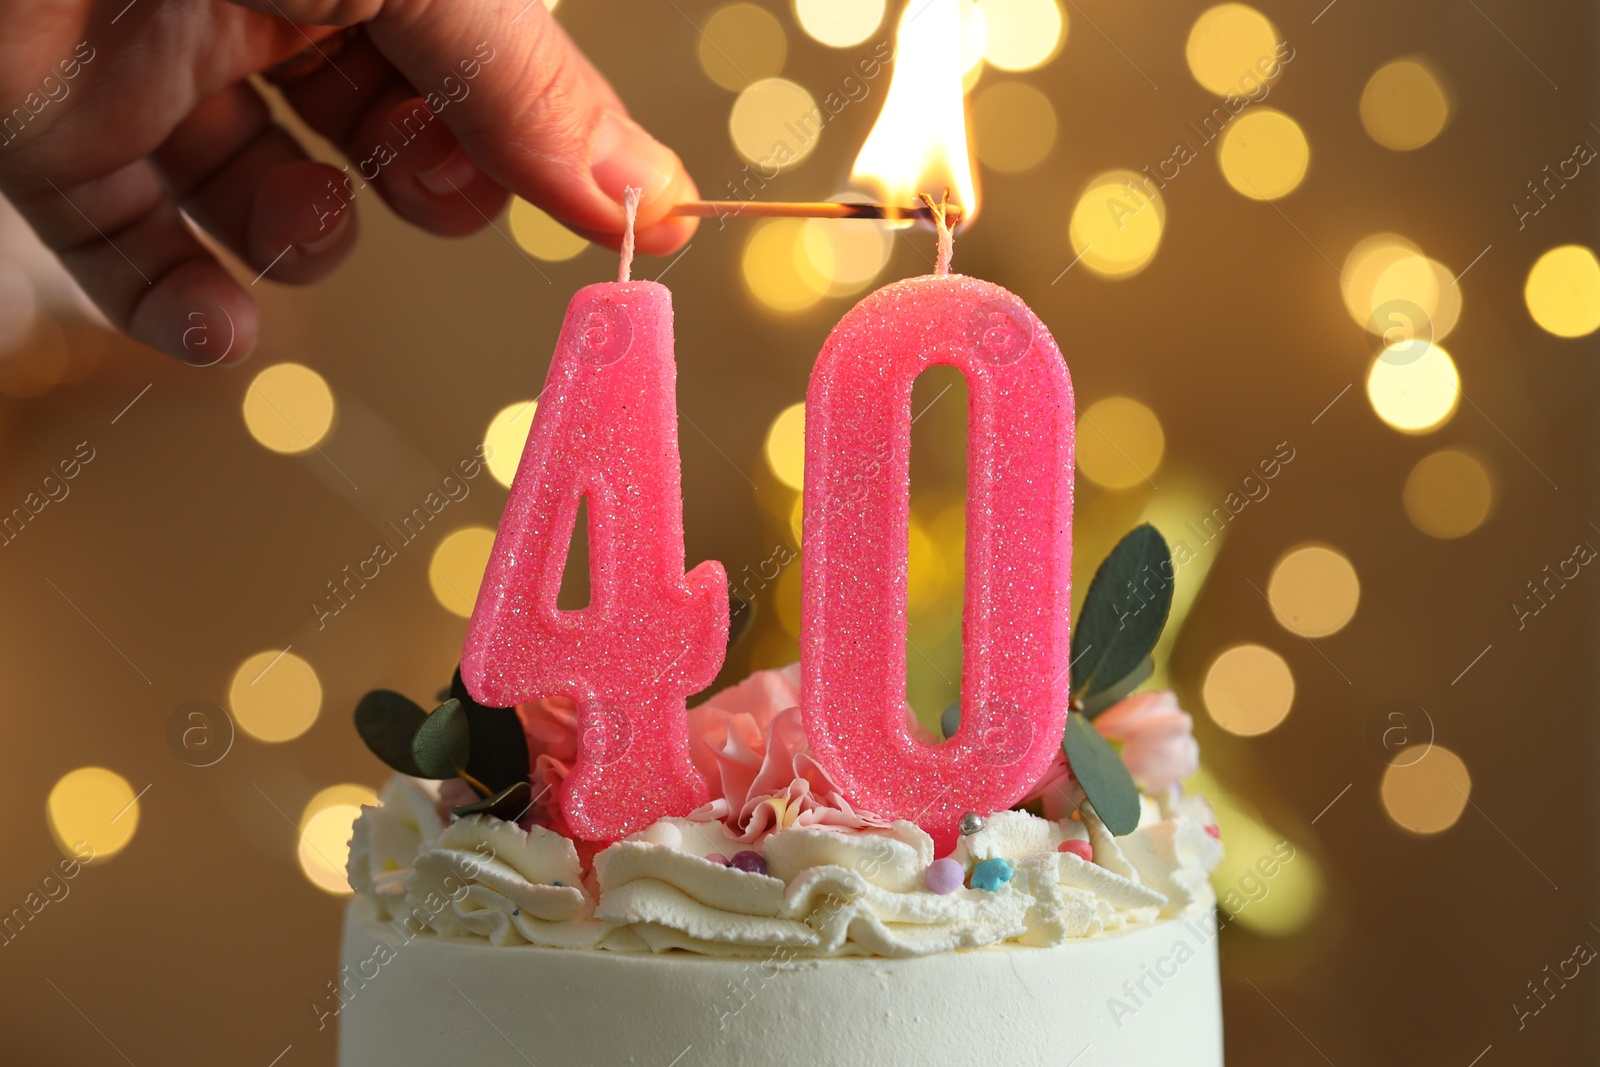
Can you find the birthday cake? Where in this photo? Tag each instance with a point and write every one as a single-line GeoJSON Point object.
{"type": "Point", "coordinates": [571, 865]}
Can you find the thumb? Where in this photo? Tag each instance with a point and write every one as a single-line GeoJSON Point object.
{"type": "Point", "coordinates": [530, 110]}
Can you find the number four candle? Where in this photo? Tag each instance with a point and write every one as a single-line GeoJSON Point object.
{"type": "Point", "coordinates": [605, 431]}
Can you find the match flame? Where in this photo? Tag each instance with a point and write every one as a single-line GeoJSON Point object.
{"type": "Point", "coordinates": [919, 143]}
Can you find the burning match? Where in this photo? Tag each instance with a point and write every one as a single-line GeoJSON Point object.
{"type": "Point", "coordinates": [755, 209]}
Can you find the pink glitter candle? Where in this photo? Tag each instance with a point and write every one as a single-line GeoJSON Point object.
{"type": "Point", "coordinates": [1014, 679]}
{"type": "Point", "coordinates": [606, 430]}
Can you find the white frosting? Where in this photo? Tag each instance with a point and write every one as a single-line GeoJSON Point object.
{"type": "Point", "coordinates": [829, 891]}
{"type": "Point", "coordinates": [1145, 996]}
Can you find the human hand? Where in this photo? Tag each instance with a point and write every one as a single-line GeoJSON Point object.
{"type": "Point", "coordinates": [114, 116]}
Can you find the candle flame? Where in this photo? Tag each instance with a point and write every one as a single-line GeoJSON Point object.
{"type": "Point", "coordinates": [919, 143]}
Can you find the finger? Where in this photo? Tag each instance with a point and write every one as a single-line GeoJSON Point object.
{"type": "Point", "coordinates": [247, 182]}
{"type": "Point", "coordinates": [533, 114]}
{"type": "Point", "coordinates": [124, 240]}
{"type": "Point", "coordinates": [395, 143]}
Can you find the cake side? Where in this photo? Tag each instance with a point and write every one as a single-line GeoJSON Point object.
{"type": "Point", "coordinates": [1145, 996]}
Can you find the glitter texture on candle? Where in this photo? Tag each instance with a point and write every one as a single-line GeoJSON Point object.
{"type": "Point", "coordinates": [1014, 687]}
{"type": "Point", "coordinates": [606, 429]}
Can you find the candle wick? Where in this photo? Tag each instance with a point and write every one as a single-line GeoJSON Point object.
{"type": "Point", "coordinates": [630, 208]}
{"type": "Point", "coordinates": [947, 239]}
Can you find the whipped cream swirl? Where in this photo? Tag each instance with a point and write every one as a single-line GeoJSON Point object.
{"type": "Point", "coordinates": [828, 890]}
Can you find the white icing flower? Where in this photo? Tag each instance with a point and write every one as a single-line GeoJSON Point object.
{"type": "Point", "coordinates": [385, 840]}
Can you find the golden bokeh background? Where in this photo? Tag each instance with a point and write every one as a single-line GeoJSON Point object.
{"type": "Point", "coordinates": [1327, 287]}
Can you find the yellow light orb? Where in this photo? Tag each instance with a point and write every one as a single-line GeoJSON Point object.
{"type": "Point", "coordinates": [1399, 294]}
{"type": "Point", "coordinates": [1314, 590]}
{"type": "Point", "coordinates": [797, 517]}
{"type": "Point", "coordinates": [839, 23]}
{"type": "Point", "coordinates": [740, 44]}
{"type": "Point", "coordinates": [324, 845]}
{"type": "Point", "coordinates": [540, 235]}
{"type": "Point", "coordinates": [1117, 223]}
{"type": "Point", "coordinates": [786, 446]}
{"type": "Point", "coordinates": [974, 38]}
{"type": "Point", "coordinates": [778, 266]}
{"type": "Point", "coordinates": [93, 813]}
{"type": "Point", "coordinates": [1248, 689]}
{"type": "Point", "coordinates": [1404, 105]}
{"type": "Point", "coordinates": [1448, 494]}
{"type": "Point", "coordinates": [456, 570]}
{"type": "Point", "coordinates": [1428, 794]}
{"type": "Point", "coordinates": [1120, 443]}
{"type": "Point", "coordinates": [1014, 126]}
{"type": "Point", "coordinates": [288, 408]}
{"type": "Point", "coordinates": [1563, 291]}
{"type": "Point", "coordinates": [506, 437]}
{"type": "Point", "coordinates": [275, 696]}
{"type": "Point", "coordinates": [1023, 34]}
{"type": "Point", "coordinates": [775, 123]}
{"type": "Point", "coordinates": [1414, 387]}
{"type": "Point", "coordinates": [1264, 154]}
{"type": "Point", "coordinates": [1232, 48]}
{"type": "Point", "coordinates": [847, 253]}
{"type": "Point", "coordinates": [1365, 264]}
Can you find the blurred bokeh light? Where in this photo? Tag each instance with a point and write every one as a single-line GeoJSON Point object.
{"type": "Point", "coordinates": [1428, 794]}
{"type": "Point", "coordinates": [1448, 494]}
{"type": "Point", "coordinates": [275, 696]}
{"type": "Point", "coordinates": [324, 845]}
{"type": "Point", "coordinates": [1248, 689]}
{"type": "Point", "coordinates": [506, 437]}
{"type": "Point", "coordinates": [288, 408]}
{"type": "Point", "coordinates": [1563, 291]}
{"type": "Point", "coordinates": [1404, 105]}
{"type": "Point", "coordinates": [1314, 590]}
{"type": "Point", "coordinates": [456, 570]}
{"type": "Point", "coordinates": [1120, 443]}
{"type": "Point", "coordinates": [92, 812]}
{"type": "Point", "coordinates": [1414, 387]}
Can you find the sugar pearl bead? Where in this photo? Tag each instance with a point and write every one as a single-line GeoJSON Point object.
{"type": "Point", "coordinates": [664, 834]}
{"type": "Point", "coordinates": [971, 823]}
{"type": "Point", "coordinates": [748, 861]}
{"type": "Point", "coordinates": [717, 857]}
{"type": "Point", "coordinates": [943, 876]}
{"type": "Point", "coordinates": [1214, 830]}
{"type": "Point", "coordinates": [990, 875]}
{"type": "Point", "coordinates": [1079, 848]}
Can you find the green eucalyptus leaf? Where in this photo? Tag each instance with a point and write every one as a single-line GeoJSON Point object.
{"type": "Point", "coordinates": [1104, 777]}
{"type": "Point", "coordinates": [741, 614]}
{"type": "Point", "coordinates": [499, 753]}
{"type": "Point", "coordinates": [950, 720]}
{"type": "Point", "coordinates": [387, 721]}
{"type": "Point", "coordinates": [1123, 612]}
{"type": "Point", "coordinates": [1114, 692]}
{"type": "Point", "coordinates": [443, 742]}
{"type": "Point", "coordinates": [508, 804]}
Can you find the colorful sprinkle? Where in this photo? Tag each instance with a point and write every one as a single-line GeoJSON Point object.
{"type": "Point", "coordinates": [748, 861]}
{"type": "Point", "coordinates": [943, 876]}
{"type": "Point", "coordinates": [990, 875]}
{"type": "Point", "coordinates": [1079, 848]}
{"type": "Point", "coordinates": [717, 857]}
{"type": "Point", "coordinates": [1214, 830]}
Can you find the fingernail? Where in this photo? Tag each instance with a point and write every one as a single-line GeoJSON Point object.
{"type": "Point", "coordinates": [451, 177]}
{"type": "Point", "coordinates": [623, 154]}
{"type": "Point", "coordinates": [331, 235]}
